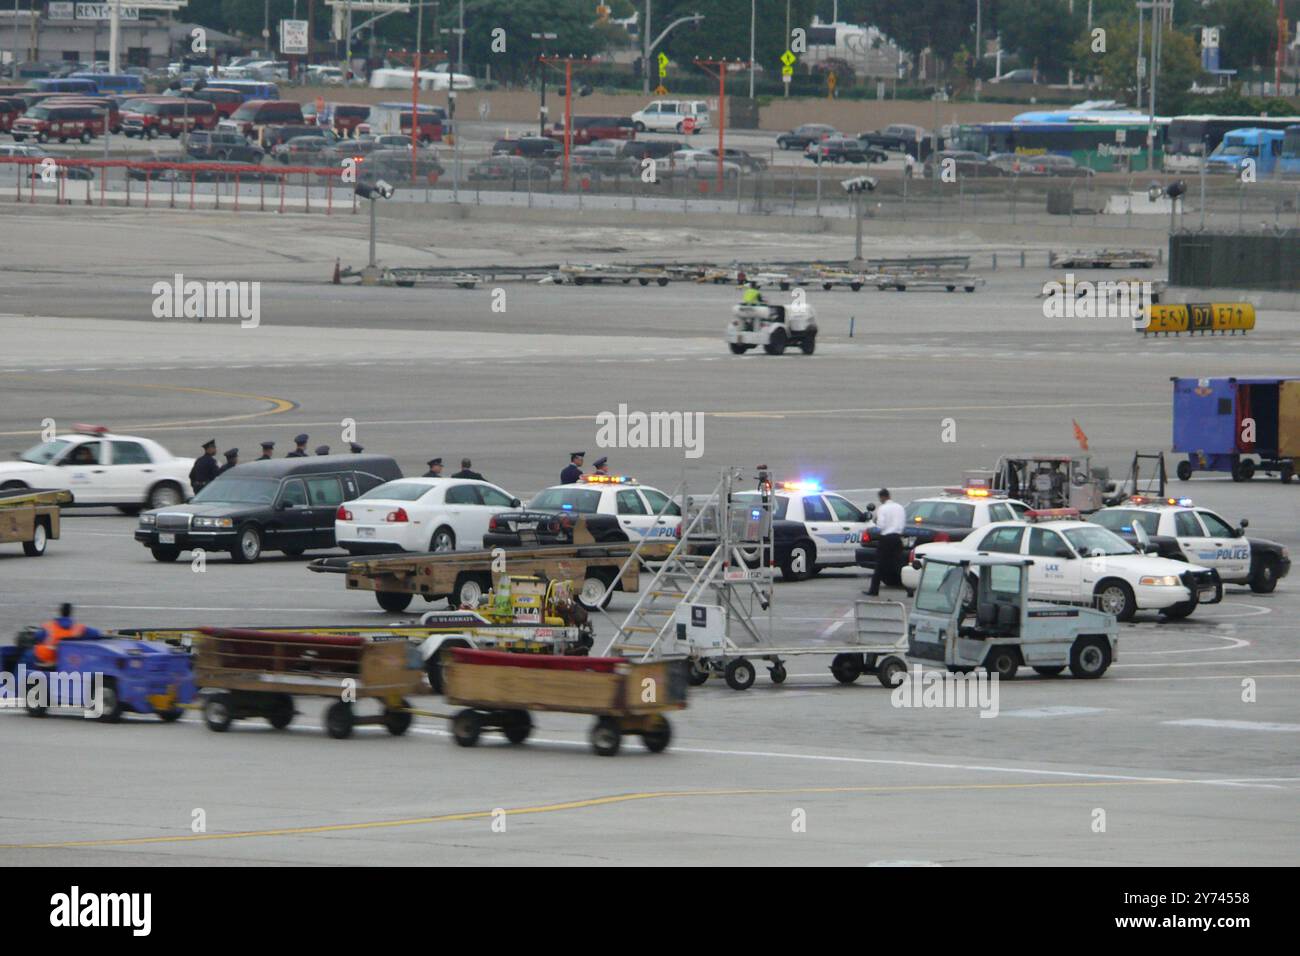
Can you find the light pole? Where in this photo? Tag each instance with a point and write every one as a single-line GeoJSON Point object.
{"type": "Point", "coordinates": [855, 187]}
{"type": "Point", "coordinates": [645, 52]}
{"type": "Point", "coordinates": [541, 113]}
{"type": "Point", "coordinates": [752, 5]}
{"type": "Point", "coordinates": [378, 190]}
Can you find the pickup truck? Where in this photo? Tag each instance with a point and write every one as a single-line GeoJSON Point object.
{"type": "Point", "coordinates": [31, 516]}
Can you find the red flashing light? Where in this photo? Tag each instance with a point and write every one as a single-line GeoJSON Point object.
{"type": "Point", "coordinates": [90, 429]}
{"type": "Point", "coordinates": [942, 536]}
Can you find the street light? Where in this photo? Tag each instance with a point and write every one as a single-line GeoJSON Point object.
{"type": "Point", "coordinates": [379, 189]}
{"type": "Point", "coordinates": [855, 187]}
{"type": "Point", "coordinates": [541, 113]}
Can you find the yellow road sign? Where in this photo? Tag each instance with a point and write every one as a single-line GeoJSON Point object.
{"type": "Point", "coordinates": [787, 71]}
{"type": "Point", "coordinates": [663, 59]}
{"type": "Point", "coordinates": [787, 58]}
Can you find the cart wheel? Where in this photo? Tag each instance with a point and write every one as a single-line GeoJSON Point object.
{"type": "Point", "coordinates": [518, 725]}
{"type": "Point", "coordinates": [847, 667]}
{"type": "Point", "coordinates": [466, 727]}
{"type": "Point", "coordinates": [891, 672]}
{"type": "Point", "coordinates": [1184, 470]}
{"type": "Point", "coordinates": [217, 712]}
{"type": "Point", "coordinates": [606, 736]}
{"type": "Point", "coordinates": [338, 720]}
{"type": "Point", "coordinates": [398, 721]}
{"type": "Point", "coordinates": [657, 738]}
{"type": "Point", "coordinates": [739, 674]}
{"type": "Point", "coordinates": [697, 673]}
{"type": "Point", "coordinates": [778, 673]}
{"type": "Point", "coordinates": [1090, 657]}
{"type": "Point", "coordinates": [170, 715]}
{"type": "Point", "coordinates": [1286, 472]}
{"type": "Point", "coordinates": [1243, 470]}
{"type": "Point", "coordinates": [1049, 671]}
{"type": "Point", "coordinates": [1002, 661]}
{"type": "Point", "coordinates": [280, 713]}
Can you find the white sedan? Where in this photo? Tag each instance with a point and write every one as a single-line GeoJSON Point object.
{"type": "Point", "coordinates": [700, 164]}
{"type": "Point", "coordinates": [1082, 563]}
{"type": "Point", "coordinates": [101, 468]}
{"type": "Point", "coordinates": [419, 515]}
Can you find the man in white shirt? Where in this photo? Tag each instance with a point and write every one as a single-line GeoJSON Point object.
{"type": "Point", "coordinates": [890, 519]}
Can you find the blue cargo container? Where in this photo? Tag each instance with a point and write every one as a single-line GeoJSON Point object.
{"type": "Point", "coordinates": [1237, 425]}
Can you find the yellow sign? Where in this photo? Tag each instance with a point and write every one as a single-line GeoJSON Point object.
{"type": "Point", "coordinates": [1227, 317]}
{"type": "Point", "coordinates": [787, 58]}
{"type": "Point", "coordinates": [787, 71]}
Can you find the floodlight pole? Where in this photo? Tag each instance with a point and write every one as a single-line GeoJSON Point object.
{"type": "Point", "coordinates": [374, 265]}
{"type": "Point", "coordinates": [568, 62]}
{"type": "Point", "coordinates": [721, 65]}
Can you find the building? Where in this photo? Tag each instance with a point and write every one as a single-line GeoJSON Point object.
{"type": "Point", "coordinates": [64, 31]}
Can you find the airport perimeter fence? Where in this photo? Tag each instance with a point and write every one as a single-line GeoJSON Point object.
{"type": "Point", "coordinates": [1109, 201]}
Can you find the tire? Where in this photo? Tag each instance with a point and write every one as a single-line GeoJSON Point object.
{"type": "Point", "coordinates": [855, 286]}
{"type": "Point", "coordinates": [164, 495]}
{"type": "Point", "coordinates": [1286, 472]}
{"type": "Point", "coordinates": [658, 738]}
{"type": "Point", "coordinates": [280, 714]}
{"type": "Point", "coordinates": [738, 348]}
{"type": "Point", "coordinates": [165, 555]}
{"type": "Point", "coordinates": [739, 674]}
{"type": "Point", "coordinates": [1053, 671]}
{"type": "Point", "coordinates": [846, 668]}
{"type": "Point", "coordinates": [217, 712]}
{"type": "Point", "coordinates": [776, 344]}
{"type": "Point", "coordinates": [1089, 657]}
{"type": "Point", "coordinates": [891, 672]}
{"type": "Point", "coordinates": [394, 601]}
{"type": "Point", "coordinates": [469, 590]}
{"type": "Point", "coordinates": [248, 547]}
{"type": "Point", "coordinates": [171, 715]}
{"type": "Point", "coordinates": [151, 133]}
{"type": "Point", "coordinates": [85, 136]}
{"type": "Point", "coordinates": [466, 727]}
{"type": "Point", "coordinates": [696, 673]}
{"type": "Point", "coordinates": [1115, 597]}
{"type": "Point", "coordinates": [339, 720]}
{"type": "Point", "coordinates": [606, 736]}
{"type": "Point", "coordinates": [778, 673]}
{"type": "Point", "coordinates": [1003, 661]}
{"type": "Point", "coordinates": [1184, 470]}
{"type": "Point", "coordinates": [808, 344]}
{"type": "Point", "coordinates": [42, 137]}
{"type": "Point", "coordinates": [444, 539]}
{"type": "Point", "coordinates": [1243, 470]}
{"type": "Point", "coordinates": [788, 566]}
{"type": "Point", "coordinates": [398, 722]}
{"type": "Point", "coordinates": [639, 126]}
{"type": "Point", "coordinates": [518, 726]}
{"type": "Point", "coordinates": [589, 594]}
{"type": "Point", "coordinates": [1264, 580]}
{"type": "Point", "coordinates": [40, 537]}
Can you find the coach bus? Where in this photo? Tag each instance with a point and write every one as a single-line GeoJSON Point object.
{"type": "Point", "coordinates": [1289, 164]}
{"type": "Point", "coordinates": [110, 83]}
{"type": "Point", "coordinates": [1189, 138]}
{"type": "Point", "coordinates": [1113, 143]}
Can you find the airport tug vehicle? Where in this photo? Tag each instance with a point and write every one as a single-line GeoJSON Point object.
{"type": "Point", "coordinates": [774, 327]}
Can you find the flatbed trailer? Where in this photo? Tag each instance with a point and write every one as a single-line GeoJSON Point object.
{"type": "Point", "coordinates": [396, 579]}
{"type": "Point", "coordinates": [949, 281]}
{"type": "Point", "coordinates": [31, 517]}
{"type": "Point", "coordinates": [1104, 259]}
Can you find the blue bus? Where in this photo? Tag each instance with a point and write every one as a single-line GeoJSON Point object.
{"type": "Point", "coordinates": [64, 85]}
{"type": "Point", "coordinates": [1289, 164]}
{"type": "Point", "coordinates": [109, 83]}
{"type": "Point", "coordinates": [1261, 146]}
{"type": "Point", "coordinates": [1114, 142]}
{"type": "Point", "coordinates": [1190, 138]}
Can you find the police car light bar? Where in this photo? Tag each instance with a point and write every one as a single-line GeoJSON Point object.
{"type": "Point", "coordinates": [1050, 514]}
{"type": "Point", "coordinates": [973, 492]}
{"type": "Point", "coordinates": [608, 480]}
{"type": "Point", "coordinates": [90, 429]}
{"type": "Point", "coordinates": [802, 485]}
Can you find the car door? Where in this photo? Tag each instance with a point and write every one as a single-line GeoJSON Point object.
{"type": "Point", "coordinates": [84, 472]}
{"type": "Point", "coordinates": [292, 527]}
{"type": "Point", "coordinates": [324, 495]}
{"type": "Point", "coordinates": [462, 506]}
{"type": "Point", "coordinates": [822, 528]}
{"type": "Point", "coordinates": [1003, 540]}
{"type": "Point", "coordinates": [851, 521]}
{"type": "Point", "coordinates": [1053, 576]}
{"type": "Point", "coordinates": [633, 515]}
{"type": "Point", "coordinates": [130, 471]}
{"type": "Point", "coordinates": [1231, 553]}
{"type": "Point", "coordinates": [492, 501]}
{"type": "Point", "coordinates": [670, 515]}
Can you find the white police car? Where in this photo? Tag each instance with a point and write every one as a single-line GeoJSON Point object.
{"type": "Point", "coordinates": [950, 516]}
{"type": "Point", "coordinates": [1182, 531]}
{"type": "Point", "coordinates": [101, 468]}
{"type": "Point", "coordinates": [1079, 562]}
{"type": "Point", "coordinates": [813, 529]}
{"type": "Point", "coordinates": [641, 512]}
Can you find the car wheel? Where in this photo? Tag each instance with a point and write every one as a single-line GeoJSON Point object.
{"type": "Point", "coordinates": [808, 344]}
{"type": "Point", "coordinates": [397, 721]}
{"type": "Point", "coordinates": [164, 495]}
{"type": "Point", "coordinates": [165, 555]}
{"type": "Point", "coordinates": [248, 547]}
{"type": "Point", "coordinates": [217, 712]}
{"type": "Point", "coordinates": [110, 702]}
{"type": "Point", "coordinates": [589, 595]}
{"type": "Point", "coordinates": [1264, 580]}
{"type": "Point", "coordinates": [85, 136]}
{"type": "Point", "coordinates": [36, 547]}
{"type": "Point", "coordinates": [444, 539]}
{"type": "Point", "coordinates": [776, 343]}
{"type": "Point", "coordinates": [798, 564]}
{"type": "Point", "coordinates": [1116, 597]}
{"type": "Point", "coordinates": [846, 668]}
{"type": "Point", "coordinates": [639, 127]}
{"type": "Point", "coordinates": [470, 589]}
{"type": "Point", "coordinates": [1090, 657]}
{"type": "Point", "coordinates": [1184, 470]}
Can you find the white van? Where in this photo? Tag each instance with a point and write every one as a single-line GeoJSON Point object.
{"type": "Point", "coordinates": [669, 116]}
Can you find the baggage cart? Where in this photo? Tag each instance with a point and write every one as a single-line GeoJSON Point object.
{"type": "Point", "coordinates": [31, 517]}
{"type": "Point", "coordinates": [1237, 425]}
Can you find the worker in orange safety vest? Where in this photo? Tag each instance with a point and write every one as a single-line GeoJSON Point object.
{"type": "Point", "coordinates": [58, 629]}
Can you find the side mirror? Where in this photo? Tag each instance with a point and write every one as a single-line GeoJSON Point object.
{"type": "Point", "coordinates": [1064, 553]}
{"type": "Point", "coordinates": [871, 507]}
{"type": "Point", "coordinates": [1242, 526]}
{"type": "Point", "coordinates": [515, 502]}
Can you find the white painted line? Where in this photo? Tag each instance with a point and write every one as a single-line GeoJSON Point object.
{"type": "Point", "coordinates": [1056, 711]}
{"type": "Point", "coordinates": [1234, 724]}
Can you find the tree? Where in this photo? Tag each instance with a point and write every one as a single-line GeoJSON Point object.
{"type": "Point", "coordinates": [724, 32]}
{"type": "Point", "coordinates": [1043, 33]}
{"type": "Point", "coordinates": [570, 20]}
{"type": "Point", "coordinates": [1248, 31]}
{"type": "Point", "coordinates": [942, 26]}
{"type": "Point", "coordinates": [1180, 65]}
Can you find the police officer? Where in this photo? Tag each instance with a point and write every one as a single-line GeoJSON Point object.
{"type": "Point", "coordinates": [467, 472]}
{"type": "Point", "coordinates": [205, 467]}
{"type": "Point", "coordinates": [435, 468]}
{"type": "Point", "coordinates": [602, 466]}
{"type": "Point", "coordinates": [58, 629]}
{"type": "Point", "coordinates": [890, 518]}
{"type": "Point", "coordinates": [322, 449]}
{"type": "Point", "coordinates": [232, 459]}
{"type": "Point", "coordinates": [300, 447]}
{"type": "Point", "coordinates": [267, 448]}
{"type": "Point", "coordinates": [573, 470]}
{"type": "Point", "coordinates": [355, 448]}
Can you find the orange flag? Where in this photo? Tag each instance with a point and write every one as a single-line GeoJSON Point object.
{"type": "Point", "coordinates": [1079, 436]}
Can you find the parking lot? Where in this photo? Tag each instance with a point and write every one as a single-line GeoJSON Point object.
{"type": "Point", "coordinates": [1186, 770]}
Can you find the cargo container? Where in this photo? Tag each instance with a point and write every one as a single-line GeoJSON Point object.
{"type": "Point", "coordinates": [1237, 425]}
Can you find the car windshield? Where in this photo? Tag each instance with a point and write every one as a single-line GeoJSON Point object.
{"type": "Point", "coordinates": [399, 491]}
{"type": "Point", "coordinates": [1121, 520]}
{"type": "Point", "coordinates": [1089, 540]}
{"type": "Point", "coordinates": [952, 514]}
{"type": "Point", "coordinates": [580, 500]}
{"type": "Point", "coordinates": [255, 491]}
{"type": "Point", "coordinates": [940, 587]}
{"type": "Point", "coordinates": [45, 452]}
{"type": "Point", "coordinates": [39, 112]}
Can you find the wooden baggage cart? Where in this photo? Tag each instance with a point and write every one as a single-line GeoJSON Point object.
{"type": "Point", "coordinates": [31, 517]}
{"type": "Point", "coordinates": [499, 690]}
{"type": "Point", "coordinates": [258, 674]}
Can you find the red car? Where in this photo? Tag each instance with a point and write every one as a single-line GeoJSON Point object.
{"type": "Point", "coordinates": [255, 115]}
{"type": "Point", "coordinates": [100, 103]}
{"type": "Point", "coordinates": [151, 118]}
{"type": "Point", "coordinates": [226, 101]}
{"type": "Point", "coordinates": [10, 109]}
{"type": "Point", "coordinates": [59, 121]}
{"type": "Point", "coordinates": [588, 129]}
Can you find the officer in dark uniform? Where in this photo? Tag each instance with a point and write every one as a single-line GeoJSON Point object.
{"type": "Point", "coordinates": [467, 472]}
{"type": "Point", "coordinates": [322, 449]}
{"type": "Point", "coordinates": [355, 448]}
{"type": "Point", "coordinates": [205, 467]}
{"type": "Point", "coordinates": [300, 447]}
{"type": "Point", "coordinates": [602, 466]}
{"type": "Point", "coordinates": [573, 470]}
{"type": "Point", "coordinates": [435, 468]}
{"type": "Point", "coordinates": [267, 448]}
{"type": "Point", "coordinates": [232, 459]}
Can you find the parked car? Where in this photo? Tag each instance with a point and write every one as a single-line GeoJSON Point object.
{"type": "Point", "coordinates": [420, 515]}
{"type": "Point", "coordinates": [801, 136]}
{"type": "Point", "coordinates": [1016, 76]}
{"type": "Point", "coordinates": [639, 149]}
{"type": "Point", "coordinates": [746, 161]}
{"type": "Point", "coordinates": [255, 115]}
{"type": "Point", "coordinates": [155, 117]}
{"type": "Point", "coordinates": [500, 168]}
{"type": "Point", "coordinates": [969, 164]}
{"type": "Point", "coordinates": [223, 145]}
{"type": "Point", "coordinates": [587, 129]}
{"type": "Point", "coordinates": [899, 137]}
{"type": "Point", "coordinates": [45, 122]}
{"type": "Point", "coordinates": [1065, 166]}
{"type": "Point", "coordinates": [670, 116]}
{"type": "Point", "coordinates": [395, 164]}
{"type": "Point", "coordinates": [841, 149]}
{"type": "Point", "coordinates": [537, 148]}
{"type": "Point", "coordinates": [699, 164]}
{"type": "Point", "coordinates": [306, 151]}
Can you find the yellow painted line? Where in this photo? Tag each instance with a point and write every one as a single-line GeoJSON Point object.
{"type": "Point", "coordinates": [277, 405]}
{"type": "Point", "coordinates": [577, 805]}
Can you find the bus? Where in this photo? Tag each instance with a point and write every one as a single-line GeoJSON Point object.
{"type": "Point", "coordinates": [1105, 144]}
{"type": "Point", "coordinates": [1262, 146]}
{"type": "Point", "coordinates": [1289, 164]}
{"type": "Point", "coordinates": [1189, 138]}
{"type": "Point", "coordinates": [109, 83]}
{"type": "Point", "coordinates": [65, 84]}
{"type": "Point", "coordinates": [248, 89]}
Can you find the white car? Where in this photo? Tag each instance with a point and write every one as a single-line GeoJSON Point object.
{"type": "Point", "coordinates": [1079, 562]}
{"type": "Point", "coordinates": [813, 529]}
{"type": "Point", "coordinates": [637, 507]}
{"type": "Point", "coordinates": [700, 164]}
{"type": "Point", "coordinates": [101, 468]}
{"type": "Point", "coordinates": [419, 515]}
{"type": "Point", "coordinates": [672, 116]}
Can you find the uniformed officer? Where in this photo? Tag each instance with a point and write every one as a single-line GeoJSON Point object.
{"type": "Point", "coordinates": [467, 472]}
{"type": "Point", "coordinates": [267, 448]}
{"type": "Point", "coordinates": [232, 459]}
{"type": "Point", "coordinates": [602, 466]}
{"type": "Point", "coordinates": [573, 470]}
{"type": "Point", "coordinates": [355, 448]}
{"type": "Point", "coordinates": [435, 468]}
{"type": "Point", "coordinates": [322, 449]}
{"type": "Point", "coordinates": [205, 467]}
{"type": "Point", "coordinates": [890, 518]}
{"type": "Point", "coordinates": [300, 447]}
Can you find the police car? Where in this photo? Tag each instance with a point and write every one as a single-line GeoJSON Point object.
{"type": "Point", "coordinates": [813, 529]}
{"type": "Point", "coordinates": [1079, 562]}
{"type": "Point", "coordinates": [1182, 531]}
{"type": "Point", "coordinates": [616, 506]}
{"type": "Point", "coordinates": [946, 517]}
{"type": "Point", "coordinates": [101, 468]}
